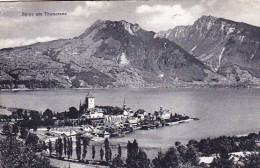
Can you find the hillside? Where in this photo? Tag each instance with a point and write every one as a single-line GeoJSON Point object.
{"type": "Point", "coordinates": [107, 54]}
{"type": "Point", "coordinates": [229, 48]}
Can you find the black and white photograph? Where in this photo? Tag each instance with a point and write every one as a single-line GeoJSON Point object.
{"type": "Point", "coordinates": [130, 84]}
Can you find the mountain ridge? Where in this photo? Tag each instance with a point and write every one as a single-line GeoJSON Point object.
{"type": "Point", "coordinates": [221, 44]}
{"type": "Point", "coordinates": [106, 54]}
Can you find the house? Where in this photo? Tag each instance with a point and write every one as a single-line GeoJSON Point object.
{"type": "Point", "coordinates": [141, 114]}
{"type": "Point", "coordinates": [163, 114]}
{"type": "Point", "coordinates": [89, 109]}
{"type": "Point", "coordinates": [94, 113]}
{"type": "Point", "coordinates": [114, 119]}
{"type": "Point", "coordinates": [61, 132]}
{"type": "Point", "coordinates": [133, 121]}
{"type": "Point", "coordinates": [127, 111]}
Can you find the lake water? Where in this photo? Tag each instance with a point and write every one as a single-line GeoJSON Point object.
{"type": "Point", "coordinates": [221, 111]}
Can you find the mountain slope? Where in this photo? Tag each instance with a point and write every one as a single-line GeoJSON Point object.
{"type": "Point", "coordinates": [227, 47]}
{"type": "Point", "coordinates": [107, 54]}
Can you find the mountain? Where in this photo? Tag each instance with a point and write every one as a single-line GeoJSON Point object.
{"type": "Point", "coordinates": [227, 47]}
{"type": "Point", "coordinates": [107, 54]}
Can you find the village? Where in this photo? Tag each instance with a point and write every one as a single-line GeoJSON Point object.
{"type": "Point", "coordinates": [64, 137]}
{"type": "Point", "coordinates": [89, 124]}
{"type": "Point", "coordinates": [96, 124]}
{"type": "Point", "coordinates": [93, 122]}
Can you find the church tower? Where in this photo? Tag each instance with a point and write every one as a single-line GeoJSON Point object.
{"type": "Point", "coordinates": [90, 101]}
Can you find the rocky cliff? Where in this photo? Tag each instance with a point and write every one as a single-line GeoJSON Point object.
{"type": "Point", "coordinates": [227, 47]}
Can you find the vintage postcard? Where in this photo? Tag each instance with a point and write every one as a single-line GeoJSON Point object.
{"type": "Point", "coordinates": [133, 84]}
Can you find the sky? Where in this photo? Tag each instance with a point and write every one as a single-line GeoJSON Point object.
{"type": "Point", "coordinates": [18, 30]}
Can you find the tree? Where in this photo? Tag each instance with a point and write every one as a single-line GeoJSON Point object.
{"type": "Point", "coordinates": [19, 113]}
{"type": "Point", "coordinates": [136, 158]}
{"type": "Point", "coordinates": [35, 120]}
{"type": "Point", "coordinates": [65, 145]}
{"type": "Point", "coordinates": [15, 129]}
{"type": "Point", "coordinates": [73, 112]}
{"type": "Point", "coordinates": [119, 151]}
{"type": "Point", "coordinates": [56, 147]}
{"type": "Point", "coordinates": [101, 154]}
{"type": "Point", "coordinates": [32, 139]}
{"type": "Point", "coordinates": [85, 145]}
{"type": "Point", "coordinates": [248, 145]}
{"type": "Point", "coordinates": [69, 149]}
{"type": "Point", "coordinates": [6, 129]}
{"type": "Point", "coordinates": [172, 158]}
{"type": "Point", "coordinates": [23, 133]}
{"type": "Point", "coordinates": [14, 153]}
{"type": "Point", "coordinates": [223, 160]}
{"type": "Point", "coordinates": [140, 161]}
{"type": "Point", "coordinates": [50, 147]}
{"type": "Point", "coordinates": [192, 156]}
{"type": "Point", "coordinates": [251, 160]}
{"type": "Point", "coordinates": [108, 152]}
{"type": "Point", "coordinates": [117, 162]}
{"type": "Point", "coordinates": [132, 151]}
{"type": "Point", "coordinates": [93, 152]}
{"type": "Point", "coordinates": [158, 161]}
{"type": "Point", "coordinates": [48, 114]}
{"type": "Point", "coordinates": [60, 147]}
{"type": "Point", "coordinates": [181, 149]}
{"type": "Point", "coordinates": [135, 147]}
{"type": "Point", "coordinates": [78, 148]}
{"type": "Point", "coordinates": [44, 147]}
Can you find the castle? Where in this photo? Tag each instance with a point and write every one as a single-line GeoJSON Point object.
{"type": "Point", "coordinates": [89, 102]}
{"type": "Point", "coordinates": [89, 109]}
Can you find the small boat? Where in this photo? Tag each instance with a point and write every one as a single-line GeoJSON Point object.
{"type": "Point", "coordinates": [137, 127]}
{"type": "Point", "coordinates": [97, 139]}
{"type": "Point", "coordinates": [104, 134]}
{"type": "Point", "coordinates": [125, 132]}
{"type": "Point", "coordinates": [114, 135]}
{"type": "Point", "coordinates": [174, 123]}
{"type": "Point", "coordinates": [145, 127]}
{"type": "Point", "coordinates": [152, 126]}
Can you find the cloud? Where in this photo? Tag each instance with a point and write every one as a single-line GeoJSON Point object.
{"type": "Point", "coordinates": [163, 17]}
{"type": "Point", "coordinates": [148, 9]}
{"type": "Point", "coordinates": [93, 4]}
{"type": "Point", "coordinates": [78, 11]}
{"type": "Point", "coordinates": [16, 42]}
{"type": "Point", "coordinates": [89, 8]}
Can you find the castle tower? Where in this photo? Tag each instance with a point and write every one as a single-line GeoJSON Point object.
{"type": "Point", "coordinates": [90, 101]}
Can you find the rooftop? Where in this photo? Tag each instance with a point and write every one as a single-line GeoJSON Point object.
{"type": "Point", "coordinates": [90, 95]}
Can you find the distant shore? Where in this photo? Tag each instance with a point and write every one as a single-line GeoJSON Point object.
{"type": "Point", "coordinates": [163, 87]}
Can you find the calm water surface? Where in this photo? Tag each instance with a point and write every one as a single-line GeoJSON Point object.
{"type": "Point", "coordinates": [221, 111]}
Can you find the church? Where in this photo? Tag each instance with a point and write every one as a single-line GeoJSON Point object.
{"type": "Point", "coordinates": [88, 108]}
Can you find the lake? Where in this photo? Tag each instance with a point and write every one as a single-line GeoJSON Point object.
{"type": "Point", "coordinates": [222, 111]}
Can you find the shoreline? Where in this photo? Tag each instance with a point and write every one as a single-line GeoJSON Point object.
{"type": "Point", "coordinates": [131, 88]}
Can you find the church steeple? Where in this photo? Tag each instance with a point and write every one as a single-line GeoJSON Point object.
{"type": "Point", "coordinates": [124, 104]}
{"type": "Point", "coordinates": [80, 107]}
{"type": "Point", "coordinates": [90, 95]}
